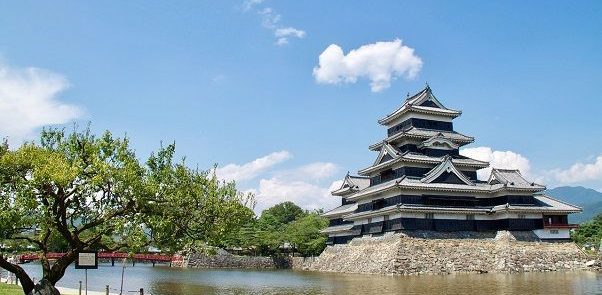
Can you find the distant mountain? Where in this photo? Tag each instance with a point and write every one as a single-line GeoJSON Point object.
{"type": "Point", "coordinates": [588, 199]}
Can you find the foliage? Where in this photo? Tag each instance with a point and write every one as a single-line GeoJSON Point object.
{"type": "Point", "coordinates": [304, 234]}
{"type": "Point", "coordinates": [283, 213]}
{"type": "Point", "coordinates": [194, 206]}
{"type": "Point", "coordinates": [76, 191]}
{"type": "Point", "coordinates": [278, 225]}
{"type": "Point", "coordinates": [589, 232]}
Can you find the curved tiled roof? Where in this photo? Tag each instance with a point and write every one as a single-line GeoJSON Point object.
{"type": "Point", "coordinates": [424, 159]}
{"type": "Point", "coordinates": [336, 229]}
{"type": "Point", "coordinates": [446, 165]}
{"type": "Point", "coordinates": [341, 210]}
{"type": "Point", "coordinates": [421, 133]}
{"type": "Point", "coordinates": [414, 102]}
{"type": "Point", "coordinates": [351, 184]}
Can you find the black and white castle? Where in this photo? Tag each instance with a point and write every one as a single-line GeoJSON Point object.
{"type": "Point", "coordinates": [419, 181]}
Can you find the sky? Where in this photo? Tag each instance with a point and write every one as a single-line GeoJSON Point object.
{"type": "Point", "coordinates": [285, 96]}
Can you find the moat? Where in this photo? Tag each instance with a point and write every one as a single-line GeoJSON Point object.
{"type": "Point", "coordinates": [162, 280]}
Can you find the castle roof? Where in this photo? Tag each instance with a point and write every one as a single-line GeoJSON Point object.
{"type": "Point", "coordinates": [344, 209]}
{"type": "Point", "coordinates": [423, 185]}
{"type": "Point", "coordinates": [412, 157]}
{"type": "Point", "coordinates": [446, 166]}
{"type": "Point", "coordinates": [351, 184]}
{"type": "Point", "coordinates": [545, 204]}
{"type": "Point", "coordinates": [421, 102]}
{"type": "Point", "coordinates": [508, 177]}
{"type": "Point", "coordinates": [337, 229]}
{"type": "Point", "coordinates": [424, 134]}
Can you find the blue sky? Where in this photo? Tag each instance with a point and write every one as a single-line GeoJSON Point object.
{"type": "Point", "coordinates": [217, 78]}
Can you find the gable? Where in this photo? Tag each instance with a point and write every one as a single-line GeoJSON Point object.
{"type": "Point", "coordinates": [439, 141]}
{"type": "Point", "coordinates": [441, 174]}
{"type": "Point", "coordinates": [429, 103]}
{"type": "Point", "coordinates": [448, 177]}
{"type": "Point", "coordinates": [387, 153]}
{"type": "Point", "coordinates": [385, 157]}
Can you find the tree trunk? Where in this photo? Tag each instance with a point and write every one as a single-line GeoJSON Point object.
{"type": "Point", "coordinates": [44, 287]}
{"type": "Point", "coordinates": [22, 276]}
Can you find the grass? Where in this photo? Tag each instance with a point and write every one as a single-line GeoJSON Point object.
{"type": "Point", "coordinates": [6, 289]}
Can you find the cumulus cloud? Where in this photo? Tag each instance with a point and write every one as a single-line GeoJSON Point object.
{"type": "Point", "coordinates": [306, 185]}
{"type": "Point", "coordinates": [271, 20]}
{"type": "Point", "coordinates": [313, 171]}
{"type": "Point", "coordinates": [378, 62]}
{"type": "Point", "coordinates": [29, 100]}
{"type": "Point", "coordinates": [580, 172]}
{"type": "Point", "coordinates": [303, 185]}
{"type": "Point", "coordinates": [499, 159]}
{"type": "Point", "coordinates": [251, 169]}
{"type": "Point", "coordinates": [305, 194]}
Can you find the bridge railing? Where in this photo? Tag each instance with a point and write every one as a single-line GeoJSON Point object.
{"type": "Point", "coordinates": [109, 255]}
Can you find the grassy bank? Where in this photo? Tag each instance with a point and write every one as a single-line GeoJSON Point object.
{"type": "Point", "coordinates": [6, 289]}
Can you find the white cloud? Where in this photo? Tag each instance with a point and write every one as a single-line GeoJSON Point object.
{"type": "Point", "coordinates": [252, 169]}
{"type": "Point", "coordinates": [313, 171]}
{"type": "Point", "coordinates": [379, 62]}
{"type": "Point", "coordinates": [499, 159]}
{"type": "Point", "coordinates": [302, 185]}
{"type": "Point", "coordinates": [580, 172]}
{"type": "Point", "coordinates": [306, 185]}
{"type": "Point", "coordinates": [28, 100]}
{"type": "Point", "coordinates": [249, 4]}
{"type": "Point", "coordinates": [307, 195]}
{"type": "Point", "coordinates": [270, 20]}
{"type": "Point", "coordinates": [283, 34]}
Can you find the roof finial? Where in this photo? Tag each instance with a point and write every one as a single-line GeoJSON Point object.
{"type": "Point", "coordinates": [426, 84]}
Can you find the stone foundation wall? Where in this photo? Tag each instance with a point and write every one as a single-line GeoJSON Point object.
{"type": "Point", "coordinates": [421, 252]}
{"type": "Point", "coordinates": [234, 261]}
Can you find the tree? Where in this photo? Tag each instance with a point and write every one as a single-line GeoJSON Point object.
{"type": "Point", "coordinates": [283, 213]}
{"type": "Point", "coordinates": [589, 232]}
{"type": "Point", "coordinates": [304, 234]}
{"type": "Point", "coordinates": [82, 192]}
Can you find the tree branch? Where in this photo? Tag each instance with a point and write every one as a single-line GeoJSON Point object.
{"type": "Point", "coordinates": [26, 282]}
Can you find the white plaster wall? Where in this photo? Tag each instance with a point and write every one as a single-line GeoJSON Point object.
{"type": "Point", "coordinates": [360, 221]}
{"type": "Point", "coordinates": [563, 233]}
{"type": "Point", "coordinates": [378, 219]}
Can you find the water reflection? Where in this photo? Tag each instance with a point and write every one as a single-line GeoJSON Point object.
{"type": "Point", "coordinates": [163, 280]}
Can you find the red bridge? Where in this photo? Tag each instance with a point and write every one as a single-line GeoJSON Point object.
{"type": "Point", "coordinates": [110, 255]}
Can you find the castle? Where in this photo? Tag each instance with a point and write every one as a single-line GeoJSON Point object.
{"type": "Point", "coordinates": [420, 181]}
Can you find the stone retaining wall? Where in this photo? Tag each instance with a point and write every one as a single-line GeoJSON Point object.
{"type": "Point", "coordinates": [233, 261]}
{"type": "Point", "coordinates": [420, 252]}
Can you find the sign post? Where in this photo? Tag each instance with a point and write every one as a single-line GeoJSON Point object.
{"type": "Point", "coordinates": [87, 260]}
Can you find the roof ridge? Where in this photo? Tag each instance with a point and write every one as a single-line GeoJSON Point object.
{"type": "Point", "coordinates": [506, 169]}
{"type": "Point", "coordinates": [560, 201]}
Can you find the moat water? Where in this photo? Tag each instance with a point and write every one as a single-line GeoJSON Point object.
{"type": "Point", "coordinates": [163, 280]}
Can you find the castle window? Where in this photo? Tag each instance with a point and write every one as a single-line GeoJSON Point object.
{"type": "Point", "coordinates": [521, 216]}
{"type": "Point", "coordinates": [429, 216]}
{"type": "Point", "coordinates": [469, 216]}
{"type": "Point", "coordinates": [378, 204]}
{"type": "Point", "coordinates": [553, 231]}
